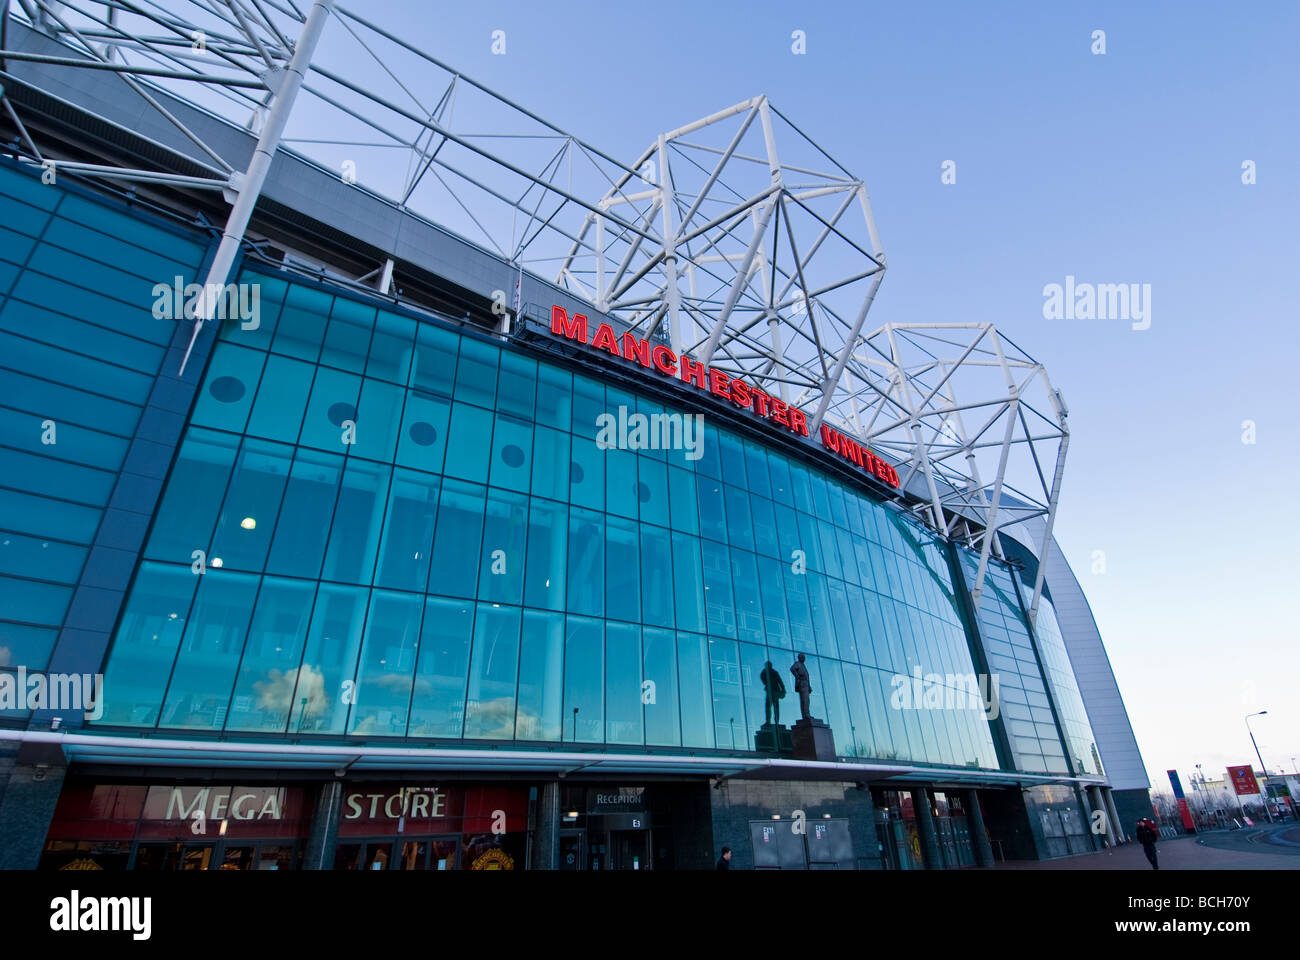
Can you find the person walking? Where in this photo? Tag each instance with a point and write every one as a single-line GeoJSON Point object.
{"type": "Point", "coordinates": [724, 861]}
{"type": "Point", "coordinates": [1147, 835]}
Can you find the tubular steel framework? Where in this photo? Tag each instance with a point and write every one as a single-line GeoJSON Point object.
{"type": "Point", "coordinates": [736, 238]}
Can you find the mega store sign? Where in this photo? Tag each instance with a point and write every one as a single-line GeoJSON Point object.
{"type": "Point", "coordinates": [744, 395]}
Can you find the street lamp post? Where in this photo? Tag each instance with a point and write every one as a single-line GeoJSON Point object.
{"type": "Point", "coordinates": [1267, 812]}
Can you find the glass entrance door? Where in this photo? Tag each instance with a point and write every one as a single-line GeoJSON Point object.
{"type": "Point", "coordinates": [629, 850]}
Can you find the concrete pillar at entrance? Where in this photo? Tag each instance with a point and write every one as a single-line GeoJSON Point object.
{"type": "Point", "coordinates": [1086, 801]}
{"type": "Point", "coordinates": [35, 781]}
{"type": "Point", "coordinates": [1098, 803]}
{"type": "Point", "coordinates": [925, 829]}
{"type": "Point", "coordinates": [324, 828]}
{"type": "Point", "coordinates": [546, 854]}
{"type": "Point", "coordinates": [1109, 796]}
{"type": "Point", "coordinates": [979, 836]}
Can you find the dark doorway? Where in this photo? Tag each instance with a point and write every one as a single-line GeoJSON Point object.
{"type": "Point", "coordinates": [629, 850]}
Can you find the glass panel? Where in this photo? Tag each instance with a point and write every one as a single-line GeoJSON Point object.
{"type": "Point", "coordinates": [228, 390]}
{"type": "Point", "coordinates": [512, 454]}
{"type": "Point", "coordinates": [490, 701]}
{"type": "Point", "coordinates": [244, 527]}
{"type": "Point", "coordinates": [467, 449]}
{"type": "Point", "coordinates": [586, 562]}
{"type": "Point", "coordinates": [457, 539]}
{"type": "Point", "coordinates": [656, 577]}
{"type": "Point", "coordinates": [717, 589]}
{"type": "Point", "coordinates": [550, 464]}
{"type": "Point", "coordinates": [541, 677]}
{"type": "Point", "coordinates": [333, 404]}
{"type": "Point", "coordinates": [544, 576]}
{"type": "Point", "coordinates": [620, 483]}
{"type": "Point", "coordinates": [623, 683]}
{"type": "Point", "coordinates": [268, 672]}
{"type": "Point", "coordinates": [391, 348]}
{"type": "Point", "coordinates": [587, 474]}
{"type": "Point", "coordinates": [199, 692]}
{"type": "Point", "coordinates": [728, 700]}
{"type": "Point", "coordinates": [383, 691]}
{"type": "Point", "coordinates": [301, 326]}
{"type": "Point", "coordinates": [554, 397]}
{"type": "Point", "coordinates": [859, 743]}
{"type": "Point", "coordinates": [435, 359]}
{"type": "Point", "coordinates": [771, 589]}
{"type": "Point", "coordinates": [684, 509]}
{"type": "Point", "coordinates": [281, 399]}
{"type": "Point", "coordinates": [193, 496]}
{"type": "Point", "coordinates": [713, 517]}
{"type": "Point", "coordinates": [378, 420]}
{"type": "Point", "coordinates": [438, 700]}
{"type": "Point", "coordinates": [408, 531]}
{"type": "Point", "coordinates": [753, 660]}
{"type": "Point", "coordinates": [688, 582]}
{"type": "Point", "coordinates": [517, 386]}
{"type": "Point", "coordinates": [305, 514]}
{"type": "Point", "coordinates": [347, 338]}
{"type": "Point", "coordinates": [501, 573]}
{"type": "Point", "coordinates": [696, 694]}
{"type": "Point", "coordinates": [476, 373]}
{"type": "Point", "coordinates": [145, 644]}
{"type": "Point", "coordinates": [584, 650]}
{"type": "Point", "coordinates": [358, 523]}
{"type": "Point", "coordinates": [661, 715]}
{"type": "Point", "coordinates": [422, 442]}
{"type": "Point", "coordinates": [749, 610]}
{"type": "Point", "coordinates": [622, 579]}
{"type": "Point", "coordinates": [329, 663]}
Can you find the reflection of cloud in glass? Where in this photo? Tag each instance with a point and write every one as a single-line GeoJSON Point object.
{"type": "Point", "coordinates": [276, 692]}
{"type": "Point", "coordinates": [400, 682]}
{"type": "Point", "coordinates": [492, 719]}
{"type": "Point", "coordinates": [528, 725]}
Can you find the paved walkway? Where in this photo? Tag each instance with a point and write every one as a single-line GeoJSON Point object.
{"type": "Point", "coordinates": [1258, 848]}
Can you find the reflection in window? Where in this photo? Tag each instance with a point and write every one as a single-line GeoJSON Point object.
{"type": "Point", "coordinates": [696, 696]}
{"type": "Point", "coordinates": [623, 683]}
{"type": "Point", "coordinates": [329, 661]}
{"type": "Point", "coordinates": [490, 701]}
{"type": "Point", "coordinates": [541, 677]}
{"type": "Point", "coordinates": [584, 659]}
{"type": "Point", "coordinates": [145, 644]}
{"type": "Point", "coordinates": [438, 698]}
{"type": "Point", "coordinates": [383, 690]}
{"type": "Point", "coordinates": [272, 652]}
{"type": "Point", "coordinates": [199, 692]}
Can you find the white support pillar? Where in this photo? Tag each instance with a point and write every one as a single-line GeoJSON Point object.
{"type": "Point", "coordinates": [285, 87]}
{"type": "Point", "coordinates": [1052, 499]}
{"type": "Point", "coordinates": [990, 523]}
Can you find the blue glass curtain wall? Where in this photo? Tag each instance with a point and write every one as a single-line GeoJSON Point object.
{"type": "Point", "coordinates": [410, 532]}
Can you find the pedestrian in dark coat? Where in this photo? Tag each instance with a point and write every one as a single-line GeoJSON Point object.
{"type": "Point", "coordinates": [1147, 835]}
{"type": "Point", "coordinates": [724, 861]}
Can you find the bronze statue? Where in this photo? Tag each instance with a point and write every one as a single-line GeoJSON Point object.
{"type": "Point", "coordinates": [775, 689]}
{"type": "Point", "coordinates": [802, 685]}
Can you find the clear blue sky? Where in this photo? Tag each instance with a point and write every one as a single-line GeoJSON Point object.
{"type": "Point", "coordinates": [1122, 168]}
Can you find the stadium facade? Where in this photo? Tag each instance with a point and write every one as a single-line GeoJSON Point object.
{"type": "Point", "coordinates": [370, 573]}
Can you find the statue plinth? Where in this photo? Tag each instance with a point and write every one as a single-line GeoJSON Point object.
{"type": "Point", "coordinates": [773, 738]}
{"type": "Point", "coordinates": [813, 740]}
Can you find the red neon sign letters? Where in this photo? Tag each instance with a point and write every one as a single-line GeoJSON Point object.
{"type": "Point", "coordinates": [721, 385]}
